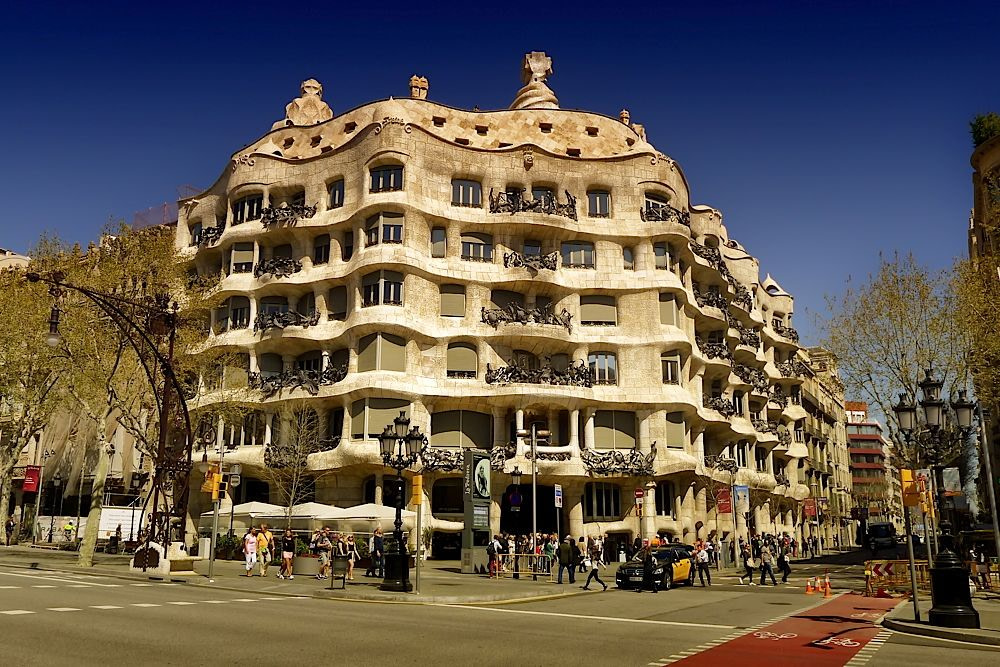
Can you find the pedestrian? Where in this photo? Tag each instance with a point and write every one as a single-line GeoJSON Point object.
{"type": "Point", "coordinates": [324, 547]}
{"type": "Point", "coordinates": [783, 566]}
{"type": "Point", "coordinates": [378, 552]}
{"type": "Point", "coordinates": [597, 553]}
{"type": "Point", "coordinates": [748, 565]}
{"type": "Point", "coordinates": [648, 578]}
{"type": "Point", "coordinates": [8, 528]}
{"type": "Point", "coordinates": [566, 560]}
{"type": "Point", "coordinates": [69, 530]}
{"type": "Point", "coordinates": [767, 565]}
{"type": "Point", "coordinates": [287, 554]}
{"type": "Point", "coordinates": [549, 552]}
{"type": "Point", "coordinates": [593, 562]}
{"type": "Point", "coordinates": [980, 566]}
{"type": "Point", "coordinates": [703, 558]}
{"type": "Point", "coordinates": [712, 553]}
{"type": "Point", "coordinates": [581, 548]}
{"type": "Point", "coordinates": [492, 553]}
{"type": "Point", "coordinates": [577, 554]}
{"type": "Point", "coordinates": [353, 555]}
{"type": "Point", "coordinates": [265, 542]}
{"type": "Point", "coordinates": [250, 550]}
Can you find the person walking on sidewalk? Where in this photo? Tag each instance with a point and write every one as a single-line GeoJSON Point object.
{"type": "Point", "coordinates": [264, 542]}
{"type": "Point", "coordinates": [250, 550]}
{"type": "Point", "coordinates": [566, 560]}
{"type": "Point", "coordinates": [748, 565]}
{"type": "Point", "coordinates": [783, 565]}
{"type": "Point", "coordinates": [767, 565]}
{"type": "Point", "coordinates": [353, 555]}
{"type": "Point", "coordinates": [703, 559]}
{"type": "Point", "coordinates": [8, 528]}
{"type": "Point", "coordinates": [648, 565]}
{"type": "Point", "coordinates": [287, 554]}
{"type": "Point", "coordinates": [593, 573]}
{"type": "Point", "coordinates": [324, 546]}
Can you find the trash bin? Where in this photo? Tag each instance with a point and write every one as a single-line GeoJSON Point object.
{"type": "Point", "coordinates": [112, 545]}
{"type": "Point", "coordinates": [205, 547]}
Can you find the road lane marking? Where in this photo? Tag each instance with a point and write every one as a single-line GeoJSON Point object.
{"type": "Point", "coordinates": [60, 579]}
{"type": "Point", "coordinates": [215, 601]}
{"type": "Point", "coordinates": [16, 612]}
{"type": "Point", "coordinates": [63, 609]}
{"type": "Point", "coordinates": [140, 585]}
{"type": "Point", "coordinates": [104, 606]}
{"type": "Point", "coordinates": [182, 603]}
{"type": "Point", "coordinates": [7, 588]}
{"type": "Point", "coordinates": [644, 621]}
{"type": "Point", "coordinates": [243, 600]}
{"type": "Point", "coordinates": [144, 604]}
{"type": "Point", "coordinates": [79, 586]}
{"type": "Point", "coordinates": [43, 586]}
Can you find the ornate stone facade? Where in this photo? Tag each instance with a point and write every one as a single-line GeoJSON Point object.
{"type": "Point", "coordinates": [450, 281]}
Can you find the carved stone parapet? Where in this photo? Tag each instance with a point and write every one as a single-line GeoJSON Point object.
{"type": "Point", "coordinates": [515, 202]}
{"type": "Point", "coordinates": [516, 314]}
{"type": "Point", "coordinates": [630, 462]}
{"type": "Point", "coordinates": [713, 350]}
{"type": "Point", "coordinates": [754, 377]}
{"type": "Point", "coordinates": [310, 381]}
{"type": "Point", "coordinates": [665, 213]}
{"type": "Point", "coordinates": [286, 214]}
{"type": "Point", "coordinates": [444, 460]}
{"type": "Point", "coordinates": [280, 320]}
{"type": "Point", "coordinates": [576, 375]}
{"type": "Point", "coordinates": [720, 462]}
{"type": "Point", "coordinates": [278, 267]}
{"type": "Point", "coordinates": [515, 259]}
{"type": "Point", "coordinates": [722, 405]}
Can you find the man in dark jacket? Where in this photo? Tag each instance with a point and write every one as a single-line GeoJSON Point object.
{"type": "Point", "coordinates": [567, 560]}
{"type": "Point", "coordinates": [648, 578]}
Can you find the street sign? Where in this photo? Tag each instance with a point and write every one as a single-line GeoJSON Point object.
{"type": "Point", "coordinates": [235, 469]}
{"type": "Point", "coordinates": [639, 493]}
{"type": "Point", "coordinates": [558, 495]}
{"type": "Point", "coordinates": [234, 480]}
{"type": "Point", "coordinates": [638, 502]}
{"type": "Point", "coordinates": [881, 569]}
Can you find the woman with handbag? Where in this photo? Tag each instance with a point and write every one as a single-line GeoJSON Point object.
{"type": "Point", "coordinates": [352, 556]}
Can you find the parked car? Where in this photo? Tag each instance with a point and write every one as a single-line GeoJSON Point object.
{"type": "Point", "coordinates": [674, 565]}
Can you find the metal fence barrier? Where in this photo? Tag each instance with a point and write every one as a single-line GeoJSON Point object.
{"type": "Point", "coordinates": [894, 575]}
{"type": "Point", "coordinates": [536, 566]}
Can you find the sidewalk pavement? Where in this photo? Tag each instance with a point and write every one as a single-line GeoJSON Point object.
{"type": "Point", "coordinates": [441, 582]}
{"type": "Point", "coordinates": [987, 604]}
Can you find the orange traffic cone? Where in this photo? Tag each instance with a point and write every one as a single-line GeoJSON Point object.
{"type": "Point", "coordinates": [828, 593]}
{"type": "Point", "coordinates": [809, 586]}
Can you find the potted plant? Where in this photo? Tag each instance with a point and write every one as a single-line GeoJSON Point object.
{"type": "Point", "coordinates": [305, 562]}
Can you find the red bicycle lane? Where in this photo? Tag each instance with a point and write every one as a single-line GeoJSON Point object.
{"type": "Point", "coordinates": [824, 636]}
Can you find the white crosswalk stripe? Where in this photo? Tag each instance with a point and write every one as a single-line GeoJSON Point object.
{"type": "Point", "coordinates": [182, 603]}
{"type": "Point", "coordinates": [63, 609]}
{"type": "Point", "coordinates": [104, 606]}
{"type": "Point", "coordinates": [16, 612]}
{"type": "Point", "coordinates": [144, 604]}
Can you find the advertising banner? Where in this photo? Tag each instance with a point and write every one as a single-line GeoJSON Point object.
{"type": "Point", "coordinates": [724, 501]}
{"type": "Point", "coordinates": [742, 498]}
{"type": "Point", "coordinates": [32, 479]}
{"type": "Point", "coordinates": [952, 482]}
{"type": "Point", "coordinates": [809, 507]}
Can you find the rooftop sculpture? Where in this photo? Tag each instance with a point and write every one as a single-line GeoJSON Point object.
{"type": "Point", "coordinates": [309, 109]}
{"type": "Point", "coordinates": [535, 94]}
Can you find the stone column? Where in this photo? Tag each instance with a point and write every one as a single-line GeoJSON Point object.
{"type": "Point", "coordinates": [522, 443]}
{"type": "Point", "coordinates": [256, 255]}
{"type": "Point", "coordinates": [220, 433]}
{"type": "Point", "coordinates": [379, 480]}
{"type": "Point", "coordinates": [321, 306]}
{"type": "Point", "coordinates": [701, 512]}
{"type": "Point", "coordinates": [588, 428]}
{"type": "Point", "coordinates": [499, 426]}
{"type": "Point", "coordinates": [647, 525]}
{"type": "Point", "coordinates": [267, 427]}
{"type": "Point", "coordinates": [574, 429]}
{"type": "Point", "coordinates": [553, 419]}
{"type": "Point", "coordinates": [253, 311]}
{"type": "Point", "coordinates": [345, 429]}
{"type": "Point", "coordinates": [644, 440]}
{"type": "Point", "coordinates": [573, 502]}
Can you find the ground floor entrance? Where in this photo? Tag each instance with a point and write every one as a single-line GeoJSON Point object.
{"type": "Point", "coordinates": [516, 511]}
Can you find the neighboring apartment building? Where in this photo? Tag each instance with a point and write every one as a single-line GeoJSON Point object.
{"type": "Point", "coordinates": [875, 479]}
{"type": "Point", "coordinates": [483, 272]}
{"type": "Point", "coordinates": [10, 259]}
{"type": "Point", "coordinates": [828, 466]}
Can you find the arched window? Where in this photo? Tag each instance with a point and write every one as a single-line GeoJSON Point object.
{"type": "Point", "coordinates": [665, 494]}
{"type": "Point", "coordinates": [387, 178]}
{"type": "Point", "coordinates": [463, 360]}
{"type": "Point", "coordinates": [309, 361]}
{"type": "Point", "coordinates": [628, 259]}
{"type": "Point", "coordinates": [274, 304]}
{"type": "Point", "coordinates": [337, 303]}
{"type": "Point", "coordinates": [670, 365]}
{"type": "Point", "coordinates": [466, 193]}
{"type": "Point", "coordinates": [239, 312]}
{"type": "Point", "coordinates": [461, 428]}
{"type": "Point", "coordinates": [384, 227]}
{"type": "Point", "coordinates": [668, 308]}
{"type": "Point", "coordinates": [382, 352]}
{"type": "Point", "coordinates": [599, 204]}
{"type": "Point", "coordinates": [676, 432]}
{"type": "Point", "coordinates": [242, 257]}
{"type": "Point", "coordinates": [337, 194]}
{"type": "Point", "coordinates": [247, 208]}
{"type": "Point", "coordinates": [307, 304]}
{"type": "Point", "coordinates": [369, 416]}
{"type": "Point", "coordinates": [439, 242]}
{"type": "Point", "coordinates": [525, 359]}
{"type": "Point", "coordinates": [452, 300]}
{"type": "Point", "coordinates": [321, 249]}
{"type": "Point", "coordinates": [663, 253]}
{"type": "Point", "coordinates": [194, 232]}
{"type": "Point", "coordinates": [655, 202]}
{"type": "Point", "coordinates": [269, 364]}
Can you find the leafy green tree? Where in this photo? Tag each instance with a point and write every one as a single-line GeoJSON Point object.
{"type": "Point", "coordinates": [984, 127]}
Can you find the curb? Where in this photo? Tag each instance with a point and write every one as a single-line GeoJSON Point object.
{"type": "Point", "coordinates": [919, 629]}
{"type": "Point", "coordinates": [321, 594]}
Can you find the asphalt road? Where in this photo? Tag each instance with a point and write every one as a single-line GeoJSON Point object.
{"type": "Point", "coordinates": [50, 618]}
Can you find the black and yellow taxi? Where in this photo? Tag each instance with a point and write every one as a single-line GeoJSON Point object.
{"type": "Point", "coordinates": [673, 564]}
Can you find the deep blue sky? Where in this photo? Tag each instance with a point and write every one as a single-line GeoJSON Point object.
{"type": "Point", "coordinates": [824, 132]}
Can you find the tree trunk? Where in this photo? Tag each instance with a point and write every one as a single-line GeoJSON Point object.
{"type": "Point", "coordinates": [5, 478]}
{"type": "Point", "coordinates": [89, 544]}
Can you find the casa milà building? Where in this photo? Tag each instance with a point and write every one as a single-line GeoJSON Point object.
{"type": "Point", "coordinates": [483, 272]}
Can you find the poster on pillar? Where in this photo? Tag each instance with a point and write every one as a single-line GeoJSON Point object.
{"type": "Point", "coordinates": [742, 495]}
{"type": "Point", "coordinates": [724, 501]}
{"type": "Point", "coordinates": [477, 494]}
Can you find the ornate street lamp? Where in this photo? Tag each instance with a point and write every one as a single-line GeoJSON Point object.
{"type": "Point", "coordinates": [400, 449]}
{"type": "Point", "coordinates": [56, 484]}
{"type": "Point", "coordinates": [952, 601]}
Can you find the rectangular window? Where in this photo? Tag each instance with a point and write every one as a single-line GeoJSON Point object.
{"type": "Point", "coordinates": [542, 194]}
{"type": "Point", "coordinates": [239, 312]}
{"type": "Point", "coordinates": [628, 259]}
{"type": "Point", "coordinates": [676, 435]}
{"type": "Point", "coordinates": [243, 257]}
{"type": "Point", "coordinates": [477, 247]}
{"type": "Point", "coordinates": [385, 227]}
{"type": "Point", "coordinates": [381, 352]}
{"type": "Point", "coordinates": [466, 193]}
{"type": "Point", "coordinates": [452, 300]}
{"type": "Point", "coordinates": [601, 502]}
{"type": "Point", "coordinates": [370, 416]}
{"type": "Point", "coordinates": [668, 309]}
{"type": "Point", "coordinates": [439, 242]}
{"type": "Point", "coordinates": [670, 364]}
{"type": "Point", "coordinates": [247, 208]}
{"type": "Point", "coordinates": [662, 252]}
{"type": "Point", "coordinates": [740, 454]}
{"type": "Point", "coordinates": [598, 310]}
{"type": "Point", "coordinates": [598, 204]}
{"type": "Point", "coordinates": [347, 249]}
{"type": "Point", "coordinates": [532, 248]}
{"type": "Point", "coordinates": [382, 287]}
{"type": "Point", "coordinates": [337, 304]}
{"type": "Point", "coordinates": [739, 403]}
{"type": "Point", "coordinates": [337, 194]}
{"type": "Point", "coordinates": [604, 367]}
{"type": "Point", "coordinates": [321, 249]}
{"type": "Point", "coordinates": [578, 254]}
{"type": "Point", "coordinates": [665, 498]}
{"type": "Point", "coordinates": [387, 179]}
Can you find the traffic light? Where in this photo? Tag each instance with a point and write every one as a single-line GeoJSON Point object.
{"type": "Point", "coordinates": [209, 483]}
{"type": "Point", "coordinates": [221, 487]}
{"type": "Point", "coordinates": [417, 489]}
{"type": "Point", "coordinates": [911, 494]}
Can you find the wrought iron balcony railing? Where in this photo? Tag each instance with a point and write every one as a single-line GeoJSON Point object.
{"type": "Point", "coordinates": [285, 214]}
{"type": "Point", "coordinates": [713, 299]}
{"type": "Point", "coordinates": [787, 332]}
{"type": "Point", "coordinates": [278, 267]}
{"type": "Point", "coordinates": [516, 202]}
{"type": "Point", "coordinates": [517, 260]}
{"type": "Point", "coordinates": [665, 213]}
{"type": "Point", "coordinates": [516, 314]}
{"type": "Point", "coordinates": [280, 320]}
{"type": "Point", "coordinates": [748, 336]}
{"type": "Point", "coordinates": [576, 375]}
{"type": "Point", "coordinates": [754, 377]}
{"type": "Point", "coordinates": [209, 236]}
{"type": "Point", "coordinates": [271, 384]}
{"type": "Point", "coordinates": [713, 350]}
{"type": "Point", "coordinates": [792, 368]}
{"type": "Point", "coordinates": [720, 404]}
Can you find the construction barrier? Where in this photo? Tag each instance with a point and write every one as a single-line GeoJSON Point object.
{"type": "Point", "coordinates": [894, 575]}
{"type": "Point", "coordinates": [537, 566]}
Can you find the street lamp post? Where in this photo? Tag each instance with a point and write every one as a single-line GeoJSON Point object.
{"type": "Point", "coordinates": [534, 434]}
{"type": "Point", "coordinates": [56, 483]}
{"type": "Point", "coordinates": [400, 449]}
{"type": "Point", "coordinates": [515, 507]}
{"type": "Point", "coordinates": [950, 595]}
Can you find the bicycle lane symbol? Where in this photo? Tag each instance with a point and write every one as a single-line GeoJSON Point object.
{"type": "Point", "coordinates": [837, 641]}
{"type": "Point", "coordinates": [763, 634]}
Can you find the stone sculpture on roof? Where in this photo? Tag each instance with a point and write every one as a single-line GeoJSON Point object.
{"type": "Point", "coordinates": [418, 87]}
{"type": "Point", "coordinates": [535, 94]}
{"type": "Point", "coordinates": [309, 109]}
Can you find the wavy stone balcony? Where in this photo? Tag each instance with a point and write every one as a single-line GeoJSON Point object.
{"type": "Point", "coordinates": [787, 332]}
{"type": "Point", "coordinates": [310, 381]}
{"type": "Point", "coordinates": [280, 320]}
{"type": "Point", "coordinates": [511, 202]}
{"type": "Point", "coordinates": [722, 405]}
{"type": "Point", "coordinates": [665, 213]}
{"type": "Point", "coordinates": [277, 267]}
{"type": "Point", "coordinates": [576, 375]}
{"type": "Point", "coordinates": [516, 260]}
{"type": "Point", "coordinates": [285, 215]}
{"type": "Point", "coordinates": [793, 368]}
{"type": "Point", "coordinates": [754, 377]}
{"type": "Point", "coordinates": [748, 336]}
{"type": "Point", "coordinates": [516, 314]}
